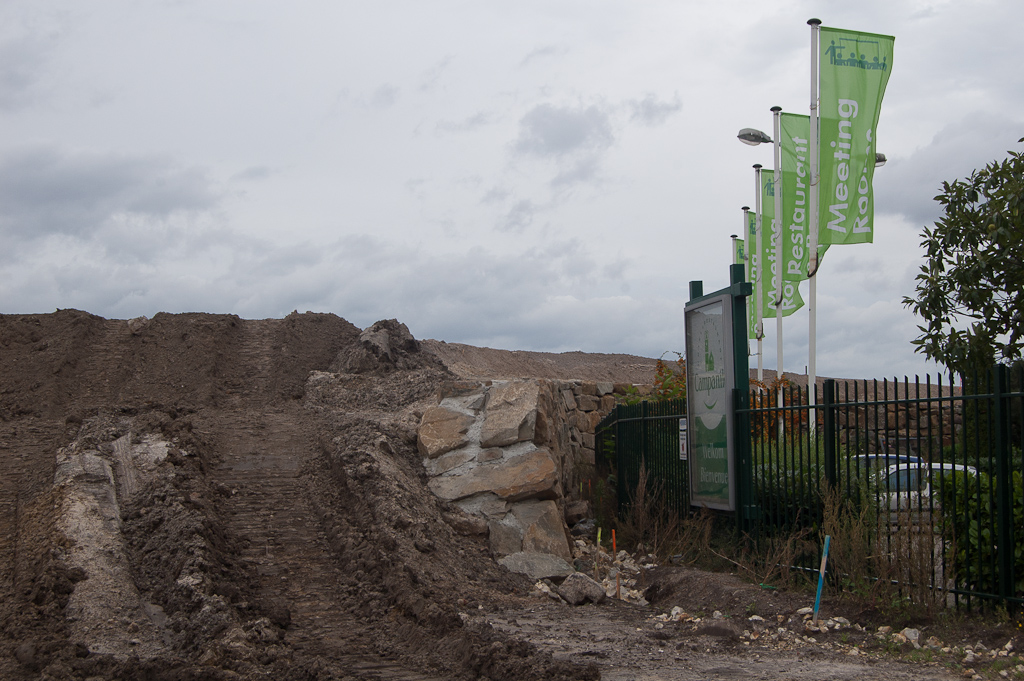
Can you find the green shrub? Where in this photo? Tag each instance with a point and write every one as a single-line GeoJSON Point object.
{"type": "Point", "coordinates": [969, 524]}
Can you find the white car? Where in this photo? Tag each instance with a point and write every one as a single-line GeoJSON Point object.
{"type": "Point", "coordinates": [908, 486]}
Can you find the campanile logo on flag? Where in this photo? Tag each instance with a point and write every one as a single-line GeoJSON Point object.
{"type": "Point", "coordinates": [859, 53]}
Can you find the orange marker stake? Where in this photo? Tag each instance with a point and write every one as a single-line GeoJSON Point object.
{"type": "Point", "coordinates": [614, 550]}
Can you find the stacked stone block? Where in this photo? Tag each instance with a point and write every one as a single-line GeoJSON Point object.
{"type": "Point", "coordinates": [510, 452]}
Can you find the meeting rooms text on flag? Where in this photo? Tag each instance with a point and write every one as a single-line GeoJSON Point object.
{"type": "Point", "coordinates": [854, 70]}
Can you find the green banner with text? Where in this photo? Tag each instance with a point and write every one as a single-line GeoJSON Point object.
{"type": "Point", "coordinates": [793, 145]}
{"type": "Point", "coordinates": [791, 300]}
{"type": "Point", "coordinates": [739, 257]}
{"type": "Point", "coordinates": [854, 70]}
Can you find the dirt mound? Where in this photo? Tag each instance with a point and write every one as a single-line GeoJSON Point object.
{"type": "Point", "coordinates": [233, 499]}
{"type": "Point", "coordinates": [205, 497]}
{"type": "Point", "coordinates": [384, 347]}
{"type": "Point", "coordinates": [468, 361]}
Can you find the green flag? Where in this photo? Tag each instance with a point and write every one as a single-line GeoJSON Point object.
{"type": "Point", "coordinates": [739, 257]}
{"type": "Point", "coordinates": [750, 251]}
{"type": "Point", "coordinates": [854, 70]}
{"type": "Point", "coordinates": [793, 143]}
{"type": "Point", "coordinates": [791, 300]}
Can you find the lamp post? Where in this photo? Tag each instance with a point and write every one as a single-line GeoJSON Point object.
{"type": "Point", "coordinates": [750, 256]}
{"type": "Point", "coordinates": [759, 282]}
{"type": "Point", "coordinates": [753, 137]}
{"type": "Point", "coordinates": [777, 231]}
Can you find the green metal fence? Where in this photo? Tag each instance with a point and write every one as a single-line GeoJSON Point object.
{"type": "Point", "coordinates": [646, 434]}
{"type": "Point", "coordinates": [931, 461]}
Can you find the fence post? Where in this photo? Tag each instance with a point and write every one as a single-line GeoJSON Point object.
{"type": "Point", "coordinates": [620, 469]}
{"type": "Point", "coordinates": [748, 513]}
{"type": "Point", "coordinates": [1004, 501]}
{"type": "Point", "coordinates": [828, 406]}
{"type": "Point", "coordinates": [643, 434]}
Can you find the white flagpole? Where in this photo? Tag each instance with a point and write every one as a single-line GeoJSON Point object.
{"type": "Point", "coordinates": [746, 258]}
{"type": "Point", "coordinates": [812, 223]}
{"type": "Point", "coordinates": [759, 328]}
{"type": "Point", "coordinates": [777, 223]}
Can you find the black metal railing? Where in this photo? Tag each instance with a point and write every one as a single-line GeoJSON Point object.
{"type": "Point", "coordinates": [936, 460]}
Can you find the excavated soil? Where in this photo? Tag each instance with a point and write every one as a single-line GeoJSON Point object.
{"type": "Point", "coordinates": [473, 362]}
{"type": "Point", "coordinates": [199, 496]}
{"type": "Point", "coordinates": [287, 532]}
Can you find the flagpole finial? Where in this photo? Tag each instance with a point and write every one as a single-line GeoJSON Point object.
{"type": "Point", "coordinates": [757, 166]}
{"type": "Point", "coordinates": [776, 108]}
{"type": "Point", "coordinates": [814, 22]}
{"type": "Point", "coordinates": [745, 208]}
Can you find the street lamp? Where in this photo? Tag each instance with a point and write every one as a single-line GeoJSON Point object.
{"type": "Point", "coordinates": [753, 137]}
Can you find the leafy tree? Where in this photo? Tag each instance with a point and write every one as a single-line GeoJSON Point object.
{"type": "Point", "coordinates": [669, 383]}
{"type": "Point", "coordinates": [974, 272]}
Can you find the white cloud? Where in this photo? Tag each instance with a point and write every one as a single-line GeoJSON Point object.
{"type": "Point", "coordinates": [907, 186]}
{"type": "Point", "coordinates": [653, 111]}
{"type": "Point", "coordinates": [44, 190]}
{"type": "Point", "coordinates": [523, 175]}
{"type": "Point", "coordinates": [558, 131]}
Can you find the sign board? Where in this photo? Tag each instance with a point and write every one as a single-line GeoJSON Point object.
{"type": "Point", "coordinates": [710, 378]}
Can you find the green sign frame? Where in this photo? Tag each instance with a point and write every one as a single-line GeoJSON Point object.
{"type": "Point", "coordinates": [716, 368]}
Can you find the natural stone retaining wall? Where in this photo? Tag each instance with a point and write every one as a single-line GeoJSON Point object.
{"type": "Point", "coordinates": [510, 452]}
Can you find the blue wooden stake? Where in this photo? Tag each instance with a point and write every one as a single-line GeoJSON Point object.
{"type": "Point", "coordinates": [821, 577]}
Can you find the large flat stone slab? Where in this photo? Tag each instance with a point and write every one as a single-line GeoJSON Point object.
{"type": "Point", "coordinates": [448, 461]}
{"type": "Point", "coordinates": [486, 505]}
{"type": "Point", "coordinates": [529, 475]}
{"type": "Point", "coordinates": [505, 535]}
{"type": "Point", "coordinates": [533, 526]}
{"type": "Point", "coordinates": [511, 414]}
{"type": "Point", "coordinates": [578, 589]}
{"type": "Point", "coordinates": [537, 565]}
{"type": "Point", "coordinates": [442, 430]}
{"type": "Point", "coordinates": [543, 530]}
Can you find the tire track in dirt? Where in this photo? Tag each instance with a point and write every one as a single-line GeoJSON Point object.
{"type": "Point", "coordinates": [28, 444]}
{"type": "Point", "coordinates": [26, 469]}
{"type": "Point", "coordinates": [104, 370]}
{"type": "Point", "coordinates": [265, 448]}
{"type": "Point", "coordinates": [262, 458]}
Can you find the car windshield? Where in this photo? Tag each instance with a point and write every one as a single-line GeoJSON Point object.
{"type": "Point", "coordinates": [904, 480]}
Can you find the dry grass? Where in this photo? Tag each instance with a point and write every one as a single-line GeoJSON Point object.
{"type": "Point", "coordinates": [888, 563]}
{"type": "Point", "coordinates": [770, 560]}
{"type": "Point", "coordinates": [649, 526]}
{"type": "Point", "coordinates": [910, 557]}
{"type": "Point", "coordinates": [693, 545]}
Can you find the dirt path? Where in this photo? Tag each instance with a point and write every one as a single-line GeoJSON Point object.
{"type": "Point", "coordinates": [262, 458]}
{"type": "Point", "coordinates": [265, 455]}
{"type": "Point", "coordinates": [625, 644]}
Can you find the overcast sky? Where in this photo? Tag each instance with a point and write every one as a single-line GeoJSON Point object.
{"type": "Point", "coordinates": [537, 175]}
